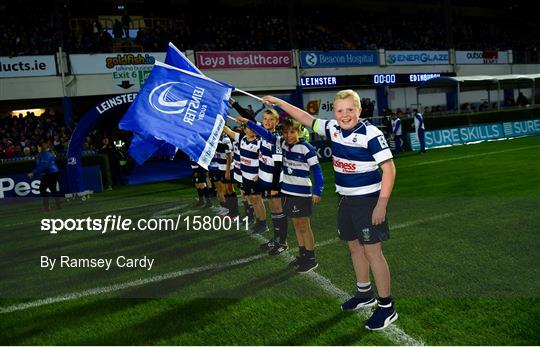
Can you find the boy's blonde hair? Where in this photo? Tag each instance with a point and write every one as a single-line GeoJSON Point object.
{"type": "Point", "coordinates": [272, 113]}
{"type": "Point", "coordinates": [290, 123]}
{"type": "Point", "coordinates": [348, 93]}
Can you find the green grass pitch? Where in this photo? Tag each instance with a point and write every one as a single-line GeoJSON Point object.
{"type": "Point", "coordinates": [463, 253]}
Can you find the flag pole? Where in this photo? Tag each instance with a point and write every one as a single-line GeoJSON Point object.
{"type": "Point", "coordinates": [249, 94]}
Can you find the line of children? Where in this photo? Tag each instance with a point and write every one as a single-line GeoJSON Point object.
{"type": "Point", "coordinates": [250, 144]}
{"type": "Point", "coordinates": [270, 162]}
{"type": "Point", "coordinates": [299, 158]}
{"type": "Point", "coordinates": [216, 172]}
{"type": "Point", "coordinates": [237, 177]}
{"type": "Point", "coordinates": [199, 178]}
{"type": "Point", "coordinates": [269, 179]}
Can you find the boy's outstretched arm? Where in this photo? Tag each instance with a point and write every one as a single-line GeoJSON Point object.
{"type": "Point", "coordinates": [262, 132]}
{"type": "Point", "coordinates": [228, 131]}
{"type": "Point", "coordinates": [298, 114]}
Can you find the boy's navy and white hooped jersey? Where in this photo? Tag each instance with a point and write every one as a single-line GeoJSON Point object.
{"type": "Point", "coordinates": [356, 154]}
{"type": "Point", "coordinates": [298, 159]}
{"type": "Point", "coordinates": [237, 172]}
{"type": "Point", "coordinates": [213, 166]}
{"type": "Point", "coordinates": [249, 156]}
{"type": "Point", "coordinates": [269, 153]}
{"type": "Point", "coordinates": [224, 148]}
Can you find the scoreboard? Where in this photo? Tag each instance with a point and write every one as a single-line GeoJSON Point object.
{"type": "Point", "coordinates": [401, 80]}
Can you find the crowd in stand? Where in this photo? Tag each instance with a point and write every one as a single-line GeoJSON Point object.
{"type": "Point", "coordinates": [32, 34]}
{"type": "Point", "coordinates": [255, 28]}
{"type": "Point", "coordinates": [21, 135]}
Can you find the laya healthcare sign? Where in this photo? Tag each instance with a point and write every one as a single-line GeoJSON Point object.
{"type": "Point", "coordinates": [244, 60]}
{"type": "Point", "coordinates": [476, 133]}
{"type": "Point", "coordinates": [27, 66]}
{"type": "Point", "coordinates": [417, 58]}
{"type": "Point", "coordinates": [481, 57]}
{"type": "Point", "coordinates": [309, 59]}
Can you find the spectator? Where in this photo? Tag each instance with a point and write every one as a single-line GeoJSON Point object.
{"type": "Point", "coordinates": [48, 173]}
{"type": "Point", "coordinates": [118, 31]}
{"type": "Point", "coordinates": [126, 22]}
{"type": "Point", "coordinates": [395, 133]}
{"type": "Point", "coordinates": [522, 100]}
{"type": "Point", "coordinates": [510, 101]}
{"type": "Point", "coordinates": [420, 130]}
{"type": "Point", "coordinates": [114, 156]}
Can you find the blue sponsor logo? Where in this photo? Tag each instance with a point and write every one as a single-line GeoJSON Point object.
{"type": "Point", "coordinates": [310, 59]}
{"type": "Point", "coordinates": [417, 58]}
{"type": "Point", "coordinates": [526, 127]}
{"type": "Point", "coordinates": [475, 133]}
{"type": "Point", "coordinates": [481, 132]}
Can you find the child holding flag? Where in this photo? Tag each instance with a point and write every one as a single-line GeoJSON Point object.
{"type": "Point", "coordinates": [270, 161]}
{"type": "Point", "coordinates": [249, 166]}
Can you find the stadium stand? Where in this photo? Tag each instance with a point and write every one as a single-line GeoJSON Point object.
{"type": "Point", "coordinates": [92, 28]}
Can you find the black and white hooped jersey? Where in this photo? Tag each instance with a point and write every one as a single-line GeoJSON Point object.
{"type": "Point", "coordinates": [249, 156]}
{"type": "Point", "coordinates": [223, 149]}
{"type": "Point", "coordinates": [269, 153]}
{"type": "Point", "coordinates": [298, 160]}
{"type": "Point", "coordinates": [237, 170]}
{"type": "Point", "coordinates": [356, 155]}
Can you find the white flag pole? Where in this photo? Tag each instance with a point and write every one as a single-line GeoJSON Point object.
{"type": "Point", "coordinates": [249, 94]}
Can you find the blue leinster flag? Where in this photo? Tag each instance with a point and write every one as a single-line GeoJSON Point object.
{"type": "Point", "coordinates": [182, 108]}
{"type": "Point", "coordinates": [143, 147]}
{"type": "Point", "coordinates": [175, 58]}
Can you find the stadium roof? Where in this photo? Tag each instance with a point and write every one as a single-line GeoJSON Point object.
{"type": "Point", "coordinates": [479, 82]}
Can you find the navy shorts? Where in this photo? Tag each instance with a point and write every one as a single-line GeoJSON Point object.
{"type": "Point", "coordinates": [230, 181]}
{"type": "Point", "coordinates": [217, 176]}
{"type": "Point", "coordinates": [199, 176]}
{"type": "Point", "coordinates": [297, 206]}
{"type": "Point", "coordinates": [266, 190]}
{"type": "Point", "coordinates": [250, 187]}
{"type": "Point", "coordinates": [354, 220]}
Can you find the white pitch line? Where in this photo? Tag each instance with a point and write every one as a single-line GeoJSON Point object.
{"type": "Point", "coordinates": [393, 227]}
{"type": "Point", "coordinates": [393, 332]}
{"type": "Point", "coordinates": [465, 157]}
{"type": "Point", "coordinates": [163, 213]}
{"type": "Point", "coordinates": [121, 286]}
